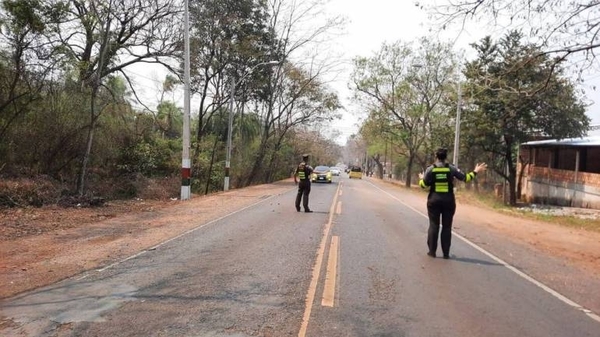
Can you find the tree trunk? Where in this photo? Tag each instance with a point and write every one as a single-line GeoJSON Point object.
{"type": "Point", "coordinates": [512, 173]}
{"type": "Point", "coordinates": [201, 115]}
{"type": "Point", "coordinates": [520, 176]}
{"type": "Point", "coordinates": [379, 167]}
{"type": "Point", "coordinates": [89, 143]}
{"type": "Point", "coordinates": [411, 159]}
{"type": "Point", "coordinates": [85, 160]}
{"type": "Point", "coordinates": [512, 185]}
{"type": "Point", "coordinates": [270, 168]}
{"type": "Point", "coordinates": [210, 167]}
{"type": "Point", "coordinates": [258, 160]}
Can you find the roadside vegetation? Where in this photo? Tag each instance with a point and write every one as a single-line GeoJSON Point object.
{"type": "Point", "coordinates": [76, 127]}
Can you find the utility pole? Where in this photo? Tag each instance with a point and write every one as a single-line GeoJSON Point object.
{"type": "Point", "coordinates": [457, 126]}
{"type": "Point", "coordinates": [186, 163]}
{"type": "Point", "coordinates": [385, 171]}
{"type": "Point", "coordinates": [391, 171]}
{"type": "Point", "coordinates": [229, 135]}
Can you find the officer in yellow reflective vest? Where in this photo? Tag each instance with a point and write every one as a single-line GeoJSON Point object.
{"type": "Point", "coordinates": [302, 173]}
{"type": "Point", "coordinates": [439, 177]}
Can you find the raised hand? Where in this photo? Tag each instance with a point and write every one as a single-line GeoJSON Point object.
{"type": "Point", "coordinates": [480, 167]}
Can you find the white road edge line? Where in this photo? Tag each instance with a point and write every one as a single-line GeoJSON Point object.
{"type": "Point", "coordinates": [176, 237]}
{"type": "Point", "coordinates": [544, 287]}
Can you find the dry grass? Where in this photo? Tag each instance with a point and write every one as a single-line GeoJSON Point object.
{"type": "Point", "coordinates": [22, 192]}
{"type": "Point", "coordinates": [43, 191]}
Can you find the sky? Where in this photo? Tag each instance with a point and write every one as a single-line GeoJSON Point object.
{"type": "Point", "coordinates": [369, 25]}
{"type": "Point", "coordinates": [372, 23]}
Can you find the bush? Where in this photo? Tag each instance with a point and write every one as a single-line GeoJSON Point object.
{"type": "Point", "coordinates": [21, 192]}
{"type": "Point", "coordinates": [160, 188]}
{"type": "Point", "coordinates": [40, 191]}
{"type": "Point", "coordinates": [135, 185]}
{"type": "Point", "coordinates": [153, 158]}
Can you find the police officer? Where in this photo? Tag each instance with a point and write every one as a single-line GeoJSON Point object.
{"type": "Point", "coordinates": [439, 177]}
{"type": "Point", "coordinates": [302, 173]}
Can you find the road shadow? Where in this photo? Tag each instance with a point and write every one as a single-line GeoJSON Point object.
{"type": "Point", "coordinates": [475, 261]}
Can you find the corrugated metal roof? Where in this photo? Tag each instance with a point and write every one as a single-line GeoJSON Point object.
{"type": "Point", "coordinates": [583, 141]}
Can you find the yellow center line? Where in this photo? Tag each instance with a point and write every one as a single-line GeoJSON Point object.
{"type": "Point", "coordinates": [331, 276]}
{"type": "Point", "coordinates": [312, 288]}
{"type": "Point", "coordinates": [338, 211]}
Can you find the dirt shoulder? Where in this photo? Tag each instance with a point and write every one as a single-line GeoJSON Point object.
{"type": "Point", "coordinates": [40, 246]}
{"type": "Point", "coordinates": [578, 246]}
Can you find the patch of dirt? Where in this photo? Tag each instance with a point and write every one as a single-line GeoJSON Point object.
{"type": "Point", "coordinates": [40, 246]}
{"type": "Point", "coordinates": [579, 246]}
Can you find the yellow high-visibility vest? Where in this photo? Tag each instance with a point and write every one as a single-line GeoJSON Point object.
{"type": "Point", "coordinates": [301, 172]}
{"type": "Point", "coordinates": [442, 179]}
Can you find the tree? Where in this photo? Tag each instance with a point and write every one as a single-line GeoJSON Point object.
{"type": "Point", "coordinates": [296, 93]}
{"type": "Point", "coordinates": [559, 28]}
{"type": "Point", "coordinates": [169, 119]}
{"type": "Point", "coordinates": [228, 38]}
{"type": "Point", "coordinates": [403, 88]}
{"type": "Point", "coordinates": [372, 130]}
{"type": "Point", "coordinates": [103, 38]}
{"type": "Point", "coordinates": [355, 151]}
{"type": "Point", "coordinates": [25, 60]}
{"type": "Point", "coordinates": [515, 106]}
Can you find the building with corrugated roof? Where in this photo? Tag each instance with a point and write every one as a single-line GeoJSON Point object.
{"type": "Point", "coordinates": [562, 172]}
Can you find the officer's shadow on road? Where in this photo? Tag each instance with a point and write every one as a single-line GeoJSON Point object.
{"type": "Point", "coordinates": [476, 261]}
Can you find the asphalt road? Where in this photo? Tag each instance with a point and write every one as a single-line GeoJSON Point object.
{"type": "Point", "coordinates": [355, 267]}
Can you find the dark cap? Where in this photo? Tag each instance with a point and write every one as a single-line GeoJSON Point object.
{"type": "Point", "coordinates": [305, 155]}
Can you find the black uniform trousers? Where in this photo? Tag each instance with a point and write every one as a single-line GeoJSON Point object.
{"type": "Point", "coordinates": [303, 192]}
{"type": "Point", "coordinates": [440, 205]}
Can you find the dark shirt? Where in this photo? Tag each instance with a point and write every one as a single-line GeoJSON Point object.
{"type": "Point", "coordinates": [429, 178]}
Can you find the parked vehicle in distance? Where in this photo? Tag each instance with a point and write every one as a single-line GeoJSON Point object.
{"type": "Point", "coordinates": [355, 172]}
{"type": "Point", "coordinates": [321, 174]}
{"type": "Point", "coordinates": [335, 171]}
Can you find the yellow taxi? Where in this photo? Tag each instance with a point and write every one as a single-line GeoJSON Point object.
{"type": "Point", "coordinates": [355, 172]}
